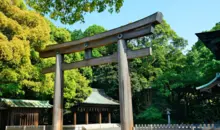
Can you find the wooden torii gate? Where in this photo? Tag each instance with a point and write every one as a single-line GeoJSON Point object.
{"type": "Point", "coordinates": [119, 35]}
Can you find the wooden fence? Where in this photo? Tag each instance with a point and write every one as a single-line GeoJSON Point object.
{"type": "Point", "coordinates": [177, 127]}
{"type": "Point", "coordinates": [137, 127]}
{"type": "Point", "coordinates": [105, 126]}
{"type": "Point", "coordinates": [42, 128]}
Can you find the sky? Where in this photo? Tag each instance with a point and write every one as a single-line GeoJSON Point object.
{"type": "Point", "coordinates": [186, 17]}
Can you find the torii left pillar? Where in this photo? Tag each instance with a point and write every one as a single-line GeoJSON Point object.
{"type": "Point", "coordinates": [125, 97]}
{"type": "Point", "coordinates": [58, 94]}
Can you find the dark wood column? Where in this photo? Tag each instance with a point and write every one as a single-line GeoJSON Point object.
{"type": "Point", "coordinates": [58, 95]}
{"type": "Point", "coordinates": [87, 117]}
{"type": "Point", "coordinates": [12, 118]}
{"type": "Point", "coordinates": [126, 114]}
{"type": "Point", "coordinates": [74, 118]}
{"type": "Point", "coordinates": [109, 117]}
{"type": "Point", "coordinates": [100, 117]}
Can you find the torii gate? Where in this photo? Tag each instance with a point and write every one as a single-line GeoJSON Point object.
{"type": "Point", "coordinates": [119, 35]}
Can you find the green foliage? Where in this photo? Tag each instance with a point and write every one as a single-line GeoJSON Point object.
{"type": "Point", "coordinates": [22, 32]}
{"type": "Point", "coordinates": [92, 30]}
{"type": "Point", "coordinates": [216, 27]}
{"type": "Point", "coordinates": [76, 88]}
{"type": "Point", "coordinates": [178, 86]}
{"type": "Point", "coordinates": [151, 115]}
{"type": "Point", "coordinates": [59, 35]}
{"type": "Point", "coordinates": [73, 11]}
{"type": "Point", "coordinates": [76, 34]}
{"type": "Point", "coordinates": [172, 75]}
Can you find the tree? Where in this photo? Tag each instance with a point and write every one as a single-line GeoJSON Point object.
{"type": "Point", "coordinates": [151, 115]}
{"type": "Point", "coordinates": [178, 86]}
{"type": "Point", "coordinates": [22, 32]}
{"type": "Point", "coordinates": [76, 34]}
{"type": "Point", "coordinates": [59, 35]}
{"type": "Point", "coordinates": [73, 11]}
{"type": "Point", "coordinates": [166, 57]}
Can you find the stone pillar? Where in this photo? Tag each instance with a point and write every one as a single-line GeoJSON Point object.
{"type": "Point", "coordinates": [58, 95]}
{"type": "Point", "coordinates": [126, 114]}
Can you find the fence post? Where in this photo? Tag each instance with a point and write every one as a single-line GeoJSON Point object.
{"type": "Point", "coordinates": [212, 126]}
{"type": "Point", "coordinates": [208, 126]}
{"type": "Point", "coordinates": [192, 127]}
{"type": "Point", "coordinates": [44, 127]}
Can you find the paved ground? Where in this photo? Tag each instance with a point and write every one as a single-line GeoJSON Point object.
{"type": "Point", "coordinates": [110, 129]}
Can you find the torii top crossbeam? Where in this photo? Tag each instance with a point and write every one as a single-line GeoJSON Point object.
{"type": "Point", "coordinates": [136, 29]}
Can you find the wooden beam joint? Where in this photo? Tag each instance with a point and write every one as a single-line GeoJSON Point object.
{"type": "Point", "coordinates": [88, 53]}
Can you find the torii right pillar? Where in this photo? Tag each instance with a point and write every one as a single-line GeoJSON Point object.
{"type": "Point", "coordinates": [126, 111]}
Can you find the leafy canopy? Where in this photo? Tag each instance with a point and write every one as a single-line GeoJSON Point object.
{"type": "Point", "coordinates": [22, 32]}
{"type": "Point", "coordinates": [71, 11]}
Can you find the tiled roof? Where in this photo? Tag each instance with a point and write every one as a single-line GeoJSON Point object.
{"type": "Point", "coordinates": [98, 96]}
{"type": "Point", "coordinates": [209, 83]}
{"type": "Point", "coordinates": [24, 103]}
{"type": "Point", "coordinates": [211, 41]}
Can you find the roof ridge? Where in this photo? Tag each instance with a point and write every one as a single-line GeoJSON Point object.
{"type": "Point", "coordinates": [217, 76]}
{"type": "Point", "coordinates": [98, 96]}
{"type": "Point", "coordinates": [26, 103]}
{"type": "Point", "coordinates": [24, 99]}
{"type": "Point", "coordinates": [97, 89]}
